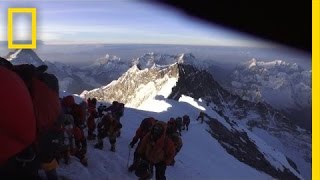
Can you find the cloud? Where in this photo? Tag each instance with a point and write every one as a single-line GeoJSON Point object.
{"type": "Point", "coordinates": [120, 21]}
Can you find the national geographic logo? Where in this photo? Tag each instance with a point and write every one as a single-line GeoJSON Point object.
{"type": "Point", "coordinates": [11, 12]}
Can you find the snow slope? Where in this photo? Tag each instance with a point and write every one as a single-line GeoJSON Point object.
{"type": "Point", "coordinates": [201, 157]}
{"type": "Point", "coordinates": [188, 105]}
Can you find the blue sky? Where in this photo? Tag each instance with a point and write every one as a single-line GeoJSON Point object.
{"type": "Point", "coordinates": [122, 21]}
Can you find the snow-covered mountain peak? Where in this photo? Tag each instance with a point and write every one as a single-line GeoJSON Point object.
{"type": "Point", "coordinates": [277, 75]}
{"type": "Point", "coordinates": [13, 54]}
{"type": "Point", "coordinates": [70, 78]}
{"type": "Point", "coordinates": [24, 56]}
{"type": "Point", "coordinates": [275, 65]}
{"type": "Point", "coordinates": [133, 68]}
{"type": "Point", "coordinates": [107, 59]}
{"type": "Point", "coordinates": [135, 85]}
{"type": "Point", "coordinates": [186, 58]}
{"type": "Point", "coordinates": [252, 63]}
{"type": "Point", "coordinates": [106, 69]}
{"type": "Point", "coordinates": [152, 59]}
{"type": "Point", "coordinates": [285, 86]}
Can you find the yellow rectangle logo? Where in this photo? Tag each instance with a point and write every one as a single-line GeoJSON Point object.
{"type": "Point", "coordinates": [33, 44]}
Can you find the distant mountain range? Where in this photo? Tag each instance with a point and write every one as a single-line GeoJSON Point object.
{"type": "Point", "coordinates": [284, 86]}
{"type": "Point", "coordinates": [68, 76]}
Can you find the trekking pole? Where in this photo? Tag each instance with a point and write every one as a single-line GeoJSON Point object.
{"type": "Point", "coordinates": [128, 157]}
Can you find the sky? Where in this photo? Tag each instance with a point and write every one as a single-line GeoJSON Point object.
{"type": "Point", "coordinates": [126, 21]}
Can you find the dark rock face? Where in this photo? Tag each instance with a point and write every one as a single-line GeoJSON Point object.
{"type": "Point", "coordinates": [200, 84]}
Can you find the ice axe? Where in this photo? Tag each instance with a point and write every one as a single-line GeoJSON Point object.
{"type": "Point", "coordinates": [129, 157]}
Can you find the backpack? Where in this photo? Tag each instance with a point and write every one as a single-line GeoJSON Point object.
{"type": "Point", "coordinates": [186, 119]}
{"type": "Point", "coordinates": [93, 102]}
{"type": "Point", "coordinates": [179, 121]}
{"type": "Point", "coordinates": [177, 141]}
{"type": "Point", "coordinates": [172, 125]}
{"type": "Point", "coordinates": [43, 89]}
{"type": "Point", "coordinates": [117, 109]}
{"type": "Point", "coordinates": [101, 108]}
{"type": "Point", "coordinates": [120, 109]}
{"type": "Point", "coordinates": [147, 123]}
{"type": "Point", "coordinates": [78, 114]}
{"type": "Point", "coordinates": [172, 122]}
{"type": "Point", "coordinates": [177, 146]}
{"type": "Point", "coordinates": [68, 101]}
